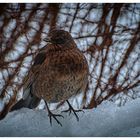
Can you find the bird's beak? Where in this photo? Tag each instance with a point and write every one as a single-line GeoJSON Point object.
{"type": "Point", "coordinates": [47, 39]}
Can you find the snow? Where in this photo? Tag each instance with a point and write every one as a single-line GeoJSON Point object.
{"type": "Point", "coordinates": [106, 120]}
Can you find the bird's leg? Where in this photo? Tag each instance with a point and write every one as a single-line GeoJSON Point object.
{"type": "Point", "coordinates": [71, 109]}
{"type": "Point", "coordinates": [50, 114]}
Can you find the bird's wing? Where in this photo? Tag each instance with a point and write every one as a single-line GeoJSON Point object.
{"type": "Point", "coordinates": [29, 79]}
{"type": "Point", "coordinates": [30, 100]}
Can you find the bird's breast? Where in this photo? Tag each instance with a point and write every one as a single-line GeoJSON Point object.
{"type": "Point", "coordinates": [62, 75]}
{"type": "Point", "coordinates": [68, 62]}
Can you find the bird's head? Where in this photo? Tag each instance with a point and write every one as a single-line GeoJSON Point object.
{"type": "Point", "coordinates": [59, 37]}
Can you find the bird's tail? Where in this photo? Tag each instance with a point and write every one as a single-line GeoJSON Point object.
{"type": "Point", "coordinates": [31, 101]}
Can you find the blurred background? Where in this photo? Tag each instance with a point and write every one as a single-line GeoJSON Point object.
{"type": "Point", "coordinates": [107, 34]}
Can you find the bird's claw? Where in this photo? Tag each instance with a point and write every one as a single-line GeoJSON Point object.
{"type": "Point", "coordinates": [71, 109]}
{"type": "Point", "coordinates": [55, 117]}
{"type": "Point", "coordinates": [50, 114]}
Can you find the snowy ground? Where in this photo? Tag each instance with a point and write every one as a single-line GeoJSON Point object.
{"type": "Point", "coordinates": [106, 120]}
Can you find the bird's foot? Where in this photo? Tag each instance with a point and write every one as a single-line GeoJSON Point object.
{"type": "Point", "coordinates": [71, 109]}
{"type": "Point", "coordinates": [51, 115]}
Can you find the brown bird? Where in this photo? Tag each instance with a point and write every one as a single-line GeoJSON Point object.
{"type": "Point", "coordinates": [60, 70]}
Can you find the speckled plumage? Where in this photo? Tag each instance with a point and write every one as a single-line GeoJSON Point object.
{"type": "Point", "coordinates": [60, 70]}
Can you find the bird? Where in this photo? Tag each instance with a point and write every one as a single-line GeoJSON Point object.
{"type": "Point", "coordinates": [60, 70]}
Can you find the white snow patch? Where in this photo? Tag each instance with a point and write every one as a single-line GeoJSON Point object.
{"type": "Point", "coordinates": [106, 120]}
